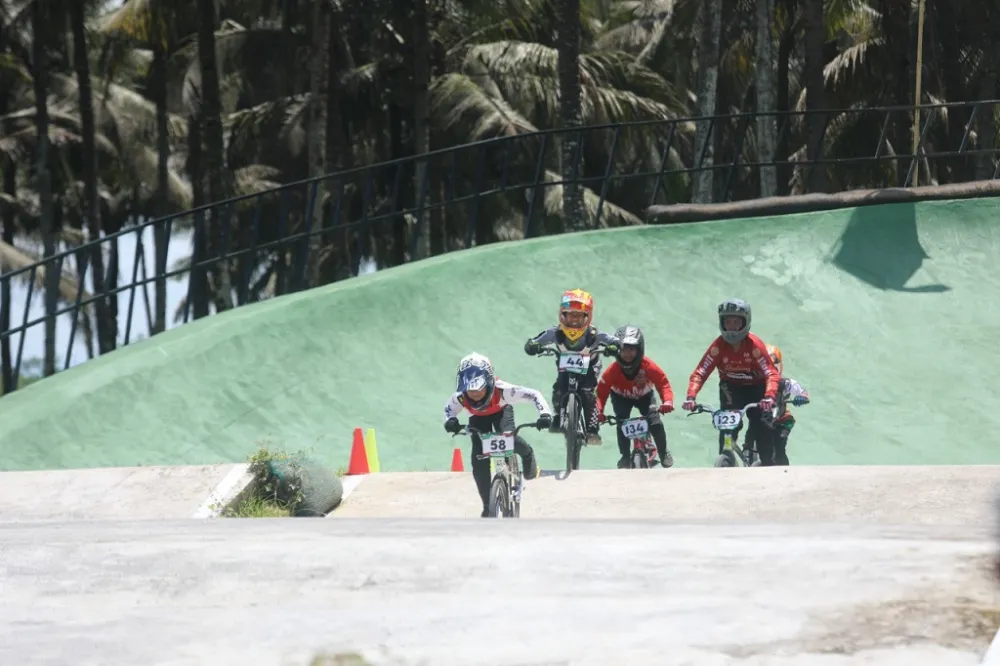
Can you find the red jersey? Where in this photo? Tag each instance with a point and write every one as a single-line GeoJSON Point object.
{"type": "Point", "coordinates": [747, 365]}
{"type": "Point", "coordinates": [648, 377]}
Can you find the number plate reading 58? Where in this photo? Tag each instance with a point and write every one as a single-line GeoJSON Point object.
{"type": "Point", "coordinates": [497, 444]}
{"type": "Point", "coordinates": [574, 362]}
{"type": "Point", "coordinates": [726, 420]}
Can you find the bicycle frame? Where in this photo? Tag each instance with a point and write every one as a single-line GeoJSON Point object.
{"type": "Point", "coordinates": [505, 464]}
{"type": "Point", "coordinates": [573, 365]}
{"type": "Point", "coordinates": [728, 422]}
{"type": "Point", "coordinates": [636, 429]}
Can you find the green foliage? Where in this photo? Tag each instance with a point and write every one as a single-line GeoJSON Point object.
{"type": "Point", "coordinates": [273, 495]}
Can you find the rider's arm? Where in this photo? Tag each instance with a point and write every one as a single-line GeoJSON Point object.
{"type": "Point", "coordinates": [705, 367]}
{"type": "Point", "coordinates": [796, 392]}
{"type": "Point", "coordinates": [513, 393]}
{"type": "Point", "coordinates": [660, 381]}
{"type": "Point", "coordinates": [453, 407]}
{"type": "Point", "coordinates": [546, 337]}
{"type": "Point", "coordinates": [607, 339]}
{"type": "Point", "coordinates": [604, 385]}
{"type": "Point", "coordinates": [771, 374]}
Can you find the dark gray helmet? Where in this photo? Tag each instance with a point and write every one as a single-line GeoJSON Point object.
{"type": "Point", "coordinates": [632, 336]}
{"type": "Point", "coordinates": [739, 308]}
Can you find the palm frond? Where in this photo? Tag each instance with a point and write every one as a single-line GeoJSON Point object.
{"type": "Point", "coordinates": [459, 105]}
{"type": "Point", "coordinates": [12, 259]}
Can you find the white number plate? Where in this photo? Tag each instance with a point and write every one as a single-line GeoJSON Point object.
{"type": "Point", "coordinates": [726, 420]}
{"type": "Point", "coordinates": [574, 362]}
{"type": "Point", "coordinates": [497, 444]}
{"type": "Point", "coordinates": [635, 428]}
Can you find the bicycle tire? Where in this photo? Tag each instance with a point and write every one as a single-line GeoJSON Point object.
{"type": "Point", "coordinates": [570, 429]}
{"type": "Point", "coordinates": [498, 498]}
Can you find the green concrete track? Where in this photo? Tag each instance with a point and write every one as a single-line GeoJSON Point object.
{"type": "Point", "coordinates": [889, 315]}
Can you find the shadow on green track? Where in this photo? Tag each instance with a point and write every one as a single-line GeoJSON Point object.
{"type": "Point", "coordinates": [881, 246]}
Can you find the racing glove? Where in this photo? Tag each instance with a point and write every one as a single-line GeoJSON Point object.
{"type": "Point", "coordinates": [611, 350]}
{"type": "Point", "coordinates": [602, 418]}
{"type": "Point", "coordinates": [688, 405]}
{"type": "Point", "coordinates": [544, 421]}
{"type": "Point", "coordinates": [766, 405]}
{"type": "Point", "coordinates": [452, 425]}
{"type": "Point", "coordinates": [666, 408]}
{"type": "Point", "coordinates": [532, 347]}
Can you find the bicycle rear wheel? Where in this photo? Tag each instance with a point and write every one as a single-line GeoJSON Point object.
{"type": "Point", "coordinates": [499, 498]}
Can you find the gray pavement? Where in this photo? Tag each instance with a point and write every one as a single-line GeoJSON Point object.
{"type": "Point", "coordinates": [473, 591]}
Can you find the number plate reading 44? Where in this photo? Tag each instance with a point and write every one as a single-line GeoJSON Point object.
{"type": "Point", "coordinates": [574, 362]}
{"type": "Point", "coordinates": [498, 444]}
{"type": "Point", "coordinates": [726, 420]}
{"type": "Point", "coordinates": [635, 428]}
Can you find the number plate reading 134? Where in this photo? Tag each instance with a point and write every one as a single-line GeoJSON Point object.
{"type": "Point", "coordinates": [726, 420]}
{"type": "Point", "coordinates": [635, 428]}
{"type": "Point", "coordinates": [574, 362]}
{"type": "Point", "coordinates": [497, 444]}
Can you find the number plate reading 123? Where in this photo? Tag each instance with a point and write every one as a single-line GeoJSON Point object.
{"type": "Point", "coordinates": [726, 420]}
{"type": "Point", "coordinates": [498, 444]}
{"type": "Point", "coordinates": [574, 362]}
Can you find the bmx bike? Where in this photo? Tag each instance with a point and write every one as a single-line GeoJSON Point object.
{"type": "Point", "coordinates": [643, 455]}
{"type": "Point", "coordinates": [572, 416]}
{"type": "Point", "coordinates": [728, 422]}
{"type": "Point", "coordinates": [508, 481]}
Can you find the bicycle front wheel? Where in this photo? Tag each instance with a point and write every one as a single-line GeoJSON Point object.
{"type": "Point", "coordinates": [499, 498]}
{"type": "Point", "coordinates": [574, 439]}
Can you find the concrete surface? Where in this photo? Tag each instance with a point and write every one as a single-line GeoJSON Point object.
{"type": "Point", "coordinates": [452, 591]}
{"type": "Point", "coordinates": [119, 492]}
{"type": "Point", "coordinates": [884, 495]}
{"type": "Point", "coordinates": [876, 309]}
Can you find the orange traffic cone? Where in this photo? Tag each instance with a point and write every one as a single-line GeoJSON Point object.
{"type": "Point", "coordinates": [359, 457]}
{"type": "Point", "coordinates": [456, 460]}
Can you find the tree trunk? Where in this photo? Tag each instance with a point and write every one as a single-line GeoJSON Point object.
{"type": "Point", "coordinates": [767, 132]}
{"type": "Point", "coordinates": [336, 149]}
{"type": "Point", "coordinates": [211, 114]}
{"type": "Point", "coordinates": [7, 379]}
{"type": "Point", "coordinates": [785, 123]}
{"type": "Point", "coordinates": [316, 131]}
{"type": "Point", "coordinates": [812, 19]}
{"type": "Point", "coordinates": [161, 239]}
{"type": "Point", "coordinates": [709, 32]}
{"type": "Point", "coordinates": [105, 338]}
{"type": "Point", "coordinates": [198, 276]}
{"type": "Point", "coordinates": [421, 130]}
{"type": "Point", "coordinates": [570, 112]}
{"type": "Point", "coordinates": [39, 24]}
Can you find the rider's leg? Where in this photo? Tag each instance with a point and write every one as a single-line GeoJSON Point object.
{"type": "Point", "coordinates": [521, 446]}
{"type": "Point", "coordinates": [729, 398]}
{"type": "Point", "coordinates": [656, 429]}
{"type": "Point", "coordinates": [759, 427]}
{"type": "Point", "coordinates": [589, 395]}
{"type": "Point", "coordinates": [781, 432]}
{"type": "Point", "coordinates": [481, 468]}
{"type": "Point", "coordinates": [557, 395]}
{"type": "Point", "coordinates": [622, 407]}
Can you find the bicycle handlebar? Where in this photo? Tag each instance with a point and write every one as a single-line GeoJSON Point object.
{"type": "Point", "coordinates": [552, 351]}
{"type": "Point", "coordinates": [614, 420]}
{"type": "Point", "coordinates": [467, 430]}
{"type": "Point", "coordinates": [708, 409]}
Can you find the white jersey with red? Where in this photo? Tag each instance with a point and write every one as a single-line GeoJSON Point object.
{"type": "Point", "coordinates": [503, 394]}
{"type": "Point", "coordinates": [649, 376]}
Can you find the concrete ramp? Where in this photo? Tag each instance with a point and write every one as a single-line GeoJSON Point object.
{"type": "Point", "coordinates": [454, 592]}
{"type": "Point", "coordinates": [119, 492]}
{"type": "Point", "coordinates": [929, 495]}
